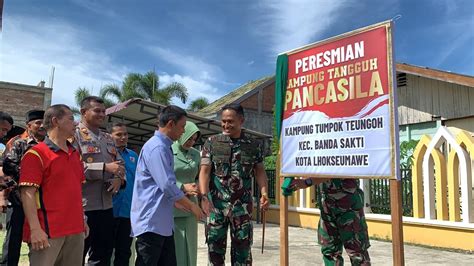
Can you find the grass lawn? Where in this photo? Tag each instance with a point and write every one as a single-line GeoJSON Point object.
{"type": "Point", "coordinates": [24, 249]}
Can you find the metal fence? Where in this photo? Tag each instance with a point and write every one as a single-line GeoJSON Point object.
{"type": "Point", "coordinates": [379, 193]}
{"type": "Point", "coordinates": [271, 186]}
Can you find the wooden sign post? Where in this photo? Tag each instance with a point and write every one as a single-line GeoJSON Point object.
{"type": "Point", "coordinates": [397, 222]}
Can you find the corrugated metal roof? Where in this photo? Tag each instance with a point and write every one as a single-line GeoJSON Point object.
{"type": "Point", "coordinates": [140, 116]}
{"type": "Point", "coordinates": [437, 74]}
{"type": "Point", "coordinates": [232, 96]}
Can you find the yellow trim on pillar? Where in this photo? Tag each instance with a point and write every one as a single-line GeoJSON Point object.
{"type": "Point", "coordinates": [417, 176]}
{"type": "Point", "coordinates": [293, 200]}
{"type": "Point", "coordinates": [466, 141]}
{"type": "Point", "coordinates": [453, 187]}
{"type": "Point", "coordinates": [310, 198]}
{"type": "Point", "coordinates": [441, 186]}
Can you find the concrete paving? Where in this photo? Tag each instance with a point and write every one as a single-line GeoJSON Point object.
{"type": "Point", "coordinates": [304, 250]}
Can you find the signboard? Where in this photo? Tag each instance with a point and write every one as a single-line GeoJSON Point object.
{"type": "Point", "coordinates": [338, 107]}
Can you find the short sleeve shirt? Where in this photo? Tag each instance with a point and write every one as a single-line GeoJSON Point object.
{"type": "Point", "coordinates": [58, 176]}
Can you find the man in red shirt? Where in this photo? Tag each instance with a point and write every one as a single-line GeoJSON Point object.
{"type": "Point", "coordinates": [51, 177]}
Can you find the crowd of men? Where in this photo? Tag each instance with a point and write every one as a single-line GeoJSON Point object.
{"type": "Point", "coordinates": [77, 195]}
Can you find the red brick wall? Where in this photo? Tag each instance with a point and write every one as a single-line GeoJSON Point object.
{"type": "Point", "coordinates": [17, 103]}
{"type": "Point", "coordinates": [251, 102]}
{"type": "Point", "coordinates": [268, 99]}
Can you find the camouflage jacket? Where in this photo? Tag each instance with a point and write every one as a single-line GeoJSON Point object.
{"type": "Point", "coordinates": [13, 155]}
{"type": "Point", "coordinates": [232, 162]}
{"type": "Point", "coordinates": [11, 161]}
{"type": "Point", "coordinates": [334, 186]}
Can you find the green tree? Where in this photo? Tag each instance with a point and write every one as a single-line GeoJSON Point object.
{"type": "Point", "coordinates": [83, 92]}
{"type": "Point", "coordinates": [79, 95]}
{"type": "Point", "coordinates": [146, 87]}
{"type": "Point", "coordinates": [270, 161]}
{"type": "Point", "coordinates": [406, 153]}
{"type": "Point", "coordinates": [198, 104]}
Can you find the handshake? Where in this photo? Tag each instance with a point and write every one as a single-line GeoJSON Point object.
{"type": "Point", "coordinates": [190, 189]}
{"type": "Point", "coordinates": [186, 205]}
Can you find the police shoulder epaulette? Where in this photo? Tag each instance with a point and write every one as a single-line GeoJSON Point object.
{"type": "Point", "coordinates": [71, 139]}
{"type": "Point", "coordinates": [106, 134]}
{"type": "Point", "coordinates": [83, 130]}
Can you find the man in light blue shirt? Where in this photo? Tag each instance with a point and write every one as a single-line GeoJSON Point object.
{"type": "Point", "coordinates": [155, 193]}
{"type": "Point", "coordinates": [123, 199]}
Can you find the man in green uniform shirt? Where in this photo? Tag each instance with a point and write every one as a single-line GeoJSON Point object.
{"type": "Point", "coordinates": [225, 180]}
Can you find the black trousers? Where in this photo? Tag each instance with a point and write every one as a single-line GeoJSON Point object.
{"type": "Point", "coordinates": [12, 244]}
{"type": "Point", "coordinates": [154, 249]}
{"type": "Point", "coordinates": [99, 245]}
{"type": "Point", "coordinates": [123, 241]}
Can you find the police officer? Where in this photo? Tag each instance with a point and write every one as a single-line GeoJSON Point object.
{"type": "Point", "coordinates": [16, 148]}
{"type": "Point", "coordinates": [342, 221]}
{"type": "Point", "coordinates": [228, 159]}
{"type": "Point", "coordinates": [104, 177]}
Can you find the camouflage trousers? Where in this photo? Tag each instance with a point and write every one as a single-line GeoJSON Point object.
{"type": "Point", "coordinates": [343, 223]}
{"type": "Point", "coordinates": [241, 233]}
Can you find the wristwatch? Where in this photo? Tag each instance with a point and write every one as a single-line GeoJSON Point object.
{"type": "Point", "coordinates": [308, 182]}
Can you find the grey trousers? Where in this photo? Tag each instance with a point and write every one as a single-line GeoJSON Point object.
{"type": "Point", "coordinates": [65, 251]}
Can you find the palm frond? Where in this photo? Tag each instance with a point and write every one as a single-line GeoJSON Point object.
{"type": "Point", "coordinates": [197, 104]}
{"type": "Point", "coordinates": [80, 94]}
{"type": "Point", "coordinates": [111, 90]}
{"type": "Point", "coordinates": [174, 89]}
{"type": "Point", "coordinates": [150, 83]}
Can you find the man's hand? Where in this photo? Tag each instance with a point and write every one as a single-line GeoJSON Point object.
{"type": "Point", "coordinates": [299, 183]}
{"type": "Point", "coordinates": [264, 202]}
{"type": "Point", "coordinates": [206, 205]}
{"type": "Point", "coordinates": [3, 200]}
{"type": "Point", "coordinates": [39, 239]}
{"type": "Point", "coordinates": [191, 189]}
{"type": "Point", "coordinates": [181, 207]}
{"type": "Point", "coordinates": [198, 213]}
{"type": "Point", "coordinates": [114, 185]}
{"type": "Point", "coordinates": [115, 168]}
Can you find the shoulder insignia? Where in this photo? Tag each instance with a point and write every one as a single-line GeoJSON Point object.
{"type": "Point", "coordinates": [85, 134]}
{"type": "Point", "coordinates": [71, 139]}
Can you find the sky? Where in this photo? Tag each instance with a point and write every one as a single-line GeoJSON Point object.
{"type": "Point", "coordinates": [210, 46]}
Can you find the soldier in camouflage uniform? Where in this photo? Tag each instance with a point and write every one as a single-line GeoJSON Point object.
{"type": "Point", "coordinates": [342, 221]}
{"type": "Point", "coordinates": [228, 160]}
{"type": "Point", "coordinates": [16, 148]}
